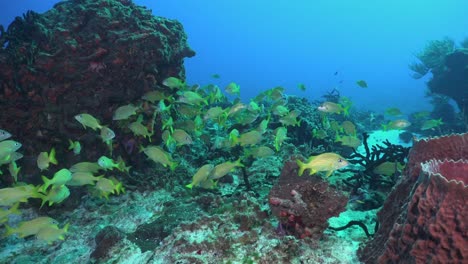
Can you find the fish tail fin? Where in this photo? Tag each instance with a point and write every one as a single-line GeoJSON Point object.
{"type": "Point", "coordinates": [302, 167]}
{"type": "Point", "coordinates": [14, 209]}
{"type": "Point", "coordinates": [9, 231]}
{"type": "Point", "coordinates": [190, 186]}
{"type": "Point", "coordinates": [173, 165]}
{"type": "Point", "coordinates": [238, 163]}
{"type": "Point", "coordinates": [52, 158]}
{"type": "Point", "coordinates": [346, 110]}
{"type": "Point", "coordinates": [46, 184]}
{"type": "Point", "coordinates": [71, 144]}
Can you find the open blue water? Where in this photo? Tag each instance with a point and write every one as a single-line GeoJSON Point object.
{"type": "Point", "coordinates": [324, 44]}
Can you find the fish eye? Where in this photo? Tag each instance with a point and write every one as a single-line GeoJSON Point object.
{"type": "Point", "coordinates": [340, 160]}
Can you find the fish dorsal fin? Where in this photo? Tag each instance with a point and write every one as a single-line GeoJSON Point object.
{"type": "Point", "coordinates": [311, 158]}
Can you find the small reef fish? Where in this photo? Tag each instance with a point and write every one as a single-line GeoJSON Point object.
{"type": "Point", "coordinates": [201, 175]}
{"type": "Point", "coordinates": [215, 76]}
{"type": "Point", "coordinates": [290, 119]}
{"type": "Point", "coordinates": [388, 168]}
{"type": "Point", "coordinates": [233, 88]}
{"type": "Point", "coordinates": [396, 124]}
{"type": "Point", "coordinates": [222, 169]}
{"type": "Point", "coordinates": [105, 187]}
{"type": "Point", "coordinates": [31, 227]}
{"type": "Point", "coordinates": [158, 155]}
{"type": "Point", "coordinates": [75, 146]}
{"type": "Point", "coordinates": [154, 96]}
{"type": "Point", "coordinates": [4, 135]}
{"type": "Point", "coordinates": [107, 134]}
{"type": "Point", "coordinates": [61, 177]}
{"type": "Point", "coordinates": [192, 98]}
{"type": "Point", "coordinates": [260, 152]}
{"type": "Point", "coordinates": [109, 164]}
{"type": "Point", "coordinates": [86, 166]}
{"type": "Point", "coordinates": [44, 159]}
{"type": "Point", "coordinates": [10, 157]}
{"type": "Point", "coordinates": [83, 178]}
{"type": "Point", "coordinates": [302, 87]}
{"type": "Point", "coordinates": [14, 170]}
{"type": "Point", "coordinates": [173, 83]}
{"type": "Point", "coordinates": [349, 128]}
{"type": "Point", "coordinates": [280, 137]}
{"type": "Point", "coordinates": [431, 124]}
{"type": "Point", "coordinates": [19, 194]}
{"type": "Point", "coordinates": [88, 120]}
{"type": "Point", "coordinates": [249, 138]}
{"type": "Point", "coordinates": [124, 112]}
{"type": "Point", "coordinates": [8, 146]}
{"type": "Point", "coordinates": [334, 108]}
{"type": "Point", "coordinates": [52, 233]}
{"type": "Point", "coordinates": [362, 83]}
{"type": "Point", "coordinates": [181, 137]}
{"type": "Point", "coordinates": [56, 195]}
{"type": "Point", "coordinates": [393, 111]}
{"type": "Point", "coordinates": [328, 162]}
{"type": "Point", "coordinates": [349, 141]}
{"type": "Point", "coordinates": [139, 129]}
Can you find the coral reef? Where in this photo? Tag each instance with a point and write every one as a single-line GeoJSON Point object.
{"type": "Point", "coordinates": [448, 65]}
{"type": "Point", "coordinates": [304, 204]}
{"type": "Point", "coordinates": [82, 56]}
{"type": "Point", "coordinates": [435, 230]}
{"type": "Point", "coordinates": [394, 212]}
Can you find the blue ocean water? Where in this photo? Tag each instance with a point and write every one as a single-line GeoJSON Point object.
{"type": "Point", "coordinates": [322, 44]}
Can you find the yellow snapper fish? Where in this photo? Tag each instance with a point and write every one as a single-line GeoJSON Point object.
{"type": "Point", "coordinates": [158, 155]}
{"type": "Point", "coordinates": [201, 175]}
{"type": "Point", "coordinates": [44, 159]}
{"type": "Point", "coordinates": [5, 213]}
{"type": "Point", "coordinates": [31, 227]}
{"type": "Point", "coordinates": [280, 137]}
{"type": "Point", "coordinates": [396, 124]}
{"type": "Point", "coordinates": [262, 127]}
{"type": "Point", "coordinates": [107, 134]}
{"type": "Point", "coordinates": [388, 168]}
{"type": "Point", "coordinates": [213, 113]}
{"type": "Point", "coordinates": [139, 129]}
{"type": "Point", "coordinates": [10, 157]}
{"type": "Point", "coordinates": [181, 137]}
{"type": "Point", "coordinates": [431, 124]}
{"type": "Point", "coordinates": [88, 120]}
{"type": "Point", "coordinates": [233, 88]}
{"type": "Point", "coordinates": [349, 141]}
{"type": "Point", "coordinates": [105, 187]}
{"type": "Point", "coordinates": [393, 111]}
{"type": "Point", "coordinates": [192, 98]}
{"type": "Point", "coordinates": [109, 164]}
{"type": "Point", "coordinates": [173, 83]}
{"type": "Point", "coordinates": [86, 166]}
{"type": "Point", "coordinates": [290, 119]}
{"type": "Point", "coordinates": [7, 147]}
{"type": "Point", "coordinates": [349, 128]}
{"type": "Point", "coordinates": [14, 170]}
{"type": "Point", "coordinates": [61, 177]}
{"type": "Point", "coordinates": [18, 194]}
{"type": "Point", "coordinates": [280, 110]}
{"type": "Point", "coordinates": [52, 233]}
{"type": "Point", "coordinates": [80, 178]}
{"type": "Point", "coordinates": [249, 138]}
{"type": "Point", "coordinates": [56, 195]}
{"type": "Point", "coordinates": [222, 169]}
{"type": "Point", "coordinates": [4, 135]}
{"type": "Point", "coordinates": [260, 152]}
{"type": "Point", "coordinates": [75, 146]}
{"type": "Point", "coordinates": [124, 112]}
{"type": "Point", "coordinates": [154, 96]}
{"type": "Point", "coordinates": [328, 162]}
{"type": "Point", "coordinates": [236, 108]}
{"type": "Point", "coordinates": [334, 108]}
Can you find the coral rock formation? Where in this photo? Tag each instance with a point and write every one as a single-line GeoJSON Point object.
{"type": "Point", "coordinates": [303, 205]}
{"type": "Point", "coordinates": [401, 207]}
{"type": "Point", "coordinates": [82, 56]}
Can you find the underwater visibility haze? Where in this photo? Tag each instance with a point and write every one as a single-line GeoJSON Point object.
{"type": "Point", "coordinates": [233, 131]}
